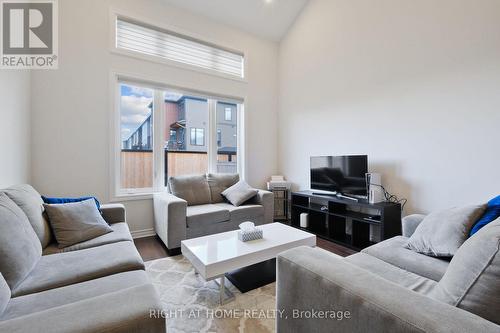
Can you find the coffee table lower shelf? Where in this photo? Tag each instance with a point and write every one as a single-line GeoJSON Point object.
{"type": "Point", "coordinates": [254, 276]}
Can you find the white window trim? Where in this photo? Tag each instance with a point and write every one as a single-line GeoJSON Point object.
{"type": "Point", "coordinates": [114, 14]}
{"type": "Point", "coordinates": [116, 77]}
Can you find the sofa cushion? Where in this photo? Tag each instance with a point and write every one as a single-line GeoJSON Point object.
{"type": "Point", "coordinates": [31, 203]}
{"type": "Point", "coordinates": [24, 305]}
{"type": "Point", "coordinates": [392, 273]}
{"type": "Point", "coordinates": [441, 233]}
{"type": "Point", "coordinates": [52, 201]}
{"type": "Point", "coordinates": [239, 193]}
{"type": "Point", "coordinates": [193, 189]}
{"type": "Point", "coordinates": [472, 279]}
{"type": "Point", "coordinates": [62, 269]}
{"type": "Point", "coordinates": [393, 251]}
{"type": "Point", "coordinates": [120, 233]}
{"type": "Point", "coordinates": [124, 311]}
{"type": "Point", "coordinates": [4, 295]}
{"type": "Point", "coordinates": [218, 183]}
{"type": "Point", "coordinates": [76, 222]}
{"type": "Point", "coordinates": [202, 215]}
{"type": "Point", "coordinates": [245, 212]}
{"type": "Point", "coordinates": [20, 248]}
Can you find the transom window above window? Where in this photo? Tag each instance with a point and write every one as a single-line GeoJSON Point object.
{"type": "Point", "coordinates": [154, 41]}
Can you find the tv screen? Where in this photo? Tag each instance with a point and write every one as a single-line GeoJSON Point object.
{"type": "Point", "coordinates": [341, 174]}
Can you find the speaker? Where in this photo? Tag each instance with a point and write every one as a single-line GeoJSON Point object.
{"type": "Point", "coordinates": [374, 187]}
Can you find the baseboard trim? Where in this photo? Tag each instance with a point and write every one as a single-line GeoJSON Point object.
{"type": "Point", "coordinates": [143, 233]}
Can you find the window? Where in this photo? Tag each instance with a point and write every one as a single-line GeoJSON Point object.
{"type": "Point", "coordinates": [197, 136]}
{"type": "Point", "coordinates": [219, 138]}
{"type": "Point", "coordinates": [228, 114]}
{"type": "Point", "coordinates": [136, 135]}
{"type": "Point", "coordinates": [166, 133]}
{"type": "Point", "coordinates": [153, 41]}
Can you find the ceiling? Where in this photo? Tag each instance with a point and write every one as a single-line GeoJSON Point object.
{"type": "Point", "coordinates": [268, 19]}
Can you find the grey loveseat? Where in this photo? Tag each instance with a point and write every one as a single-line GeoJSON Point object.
{"type": "Point", "coordinates": [99, 285]}
{"type": "Point", "coordinates": [384, 288]}
{"type": "Point", "coordinates": [194, 207]}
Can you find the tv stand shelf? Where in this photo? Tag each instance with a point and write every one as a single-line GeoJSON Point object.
{"type": "Point", "coordinates": [355, 224]}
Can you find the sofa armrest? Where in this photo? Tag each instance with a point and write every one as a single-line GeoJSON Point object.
{"type": "Point", "coordinates": [410, 223]}
{"type": "Point", "coordinates": [266, 199]}
{"type": "Point", "coordinates": [130, 310]}
{"type": "Point", "coordinates": [113, 213]}
{"type": "Point", "coordinates": [311, 279]}
{"type": "Point", "coordinates": [170, 219]}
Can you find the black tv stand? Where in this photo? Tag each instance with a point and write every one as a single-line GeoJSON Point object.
{"type": "Point", "coordinates": [329, 215]}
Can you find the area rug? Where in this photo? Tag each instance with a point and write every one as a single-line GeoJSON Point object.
{"type": "Point", "coordinates": [191, 304]}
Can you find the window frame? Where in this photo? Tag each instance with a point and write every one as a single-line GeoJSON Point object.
{"type": "Point", "coordinates": [115, 14]}
{"type": "Point", "coordinates": [117, 194]}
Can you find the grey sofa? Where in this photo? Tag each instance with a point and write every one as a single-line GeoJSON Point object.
{"type": "Point", "coordinates": [99, 285]}
{"type": "Point", "coordinates": [194, 207]}
{"type": "Point", "coordinates": [384, 288]}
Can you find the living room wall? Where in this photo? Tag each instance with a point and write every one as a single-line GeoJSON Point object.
{"type": "Point", "coordinates": [413, 84]}
{"type": "Point", "coordinates": [72, 105]}
{"type": "Point", "coordinates": [15, 127]}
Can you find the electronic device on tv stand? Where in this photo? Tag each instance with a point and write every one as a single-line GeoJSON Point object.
{"type": "Point", "coordinates": [340, 176]}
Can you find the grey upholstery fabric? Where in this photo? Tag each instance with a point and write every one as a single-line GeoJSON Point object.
{"type": "Point", "coordinates": [170, 219]}
{"type": "Point", "coordinates": [393, 251]}
{"type": "Point", "coordinates": [62, 269]}
{"type": "Point", "coordinates": [310, 278]}
{"type": "Point", "coordinates": [218, 183]}
{"type": "Point", "coordinates": [31, 203]}
{"type": "Point", "coordinates": [202, 215]}
{"type": "Point", "coordinates": [4, 295]}
{"type": "Point", "coordinates": [441, 233]}
{"type": "Point", "coordinates": [410, 223]}
{"type": "Point", "coordinates": [113, 213]}
{"type": "Point", "coordinates": [24, 305]}
{"type": "Point", "coordinates": [245, 212]}
{"type": "Point", "coordinates": [120, 233]}
{"type": "Point", "coordinates": [472, 282]}
{"type": "Point", "coordinates": [239, 193]}
{"type": "Point", "coordinates": [392, 273]}
{"type": "Point", "coordinates": [266, 200]}
{"type": "Point", "coordinates": [193, 189]}
{"type": "Point", "coordinates": [20, 248]}
{"type": "Point", "coordinates": [124, 311]}
{"type": "Point", "coordinates": [76, 222]}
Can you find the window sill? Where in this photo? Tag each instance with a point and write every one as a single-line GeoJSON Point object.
{"type": "Point", "coordinates": [132, 197]}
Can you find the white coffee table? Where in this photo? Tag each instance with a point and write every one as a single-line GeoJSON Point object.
{"type": "Point", "coordinates": [214, 255]}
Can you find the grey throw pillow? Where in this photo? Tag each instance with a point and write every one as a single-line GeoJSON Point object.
{"type": "Point", "coordinates": [76, 222]}
{"type": "Point", "coordinates": [441, 233]}
{"type": "Point", "coordinates": [239, 193]}
{"type": "Point", "coordinates": [218, 183]}
{"type": "Point", "coordinates": [20, 248]}
{"type": "Point", "coordinates": [194, 189]}
{"type": "Point", "coordinates": [4, 294]}
{"type": "Point", "coordinates": [471, 281]}
{"type": "Point", "coordinates": [31, 203]}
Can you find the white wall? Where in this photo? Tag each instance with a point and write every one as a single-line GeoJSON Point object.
{"type": "Point", "coordinates": [71, 105]}
{"type": "Point", "coordinates": [14, 127]}
{"type": "Point", "coordinates": [413, 84]}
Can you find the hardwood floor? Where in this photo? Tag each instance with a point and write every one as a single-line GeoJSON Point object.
{"type": "Point", "coordinates": [152, 248]}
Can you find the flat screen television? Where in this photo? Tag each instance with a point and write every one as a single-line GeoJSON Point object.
{"type": "Point", "coordinates": [340, 174]}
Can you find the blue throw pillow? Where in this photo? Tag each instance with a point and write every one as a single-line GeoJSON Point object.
{"type": "Point", "coordinates": [492, 213]}
{"type": "Point", "coordinates": [51, 201]}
